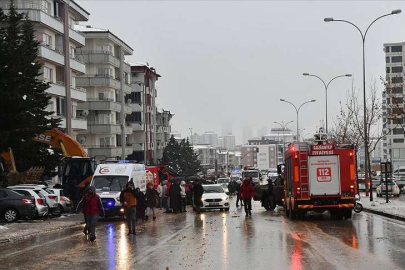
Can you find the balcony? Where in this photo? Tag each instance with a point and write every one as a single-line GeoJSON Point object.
{"type": "Point", "coordinates": [57, 89]}
{"type": "Point", "coordinates": [98, 80]}
{"type": "Point", "coordinates": [77, 123]}
{"type": "Point", "coordinates": [127, 67]}
{"type": "Point", "coordinates": [107, 151]}
{"type": "Point", "coordinates": [51, 55]}
{"type": "Point", "coordinates": [98, 57]}
{"type": "Point", "coordinates": [127, 89]}
{"type": "Point", "coordinates": [77, 65]}
{"type": "Point", "coordinates": [100, 105]}
{"type": "Point", "coordinates": [138, 147]}
{"type": "Point", "coordinates": [97, 128]}
{"type": "Point", "coordinates": [138, 126]}
{"type": "Point", "coordinates": [79, 94]}
{"type": "Point", "coordinates": [77, 37]}
{"type": "Point", "coordinates": [36, 12]}
{"type": "Point", "coordinates": [136, 107]}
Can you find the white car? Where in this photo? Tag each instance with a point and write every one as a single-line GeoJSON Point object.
{"type": "Point", "coordinates": [64, 202]}
{"type": "Point", "coordinates": [214, 197]}
{"type": "Point", "coordinates": [41, 207]}
{"type": "Point", "coordinates": [393, 189]}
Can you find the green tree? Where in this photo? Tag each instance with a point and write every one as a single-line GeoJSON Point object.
{"type": "Point", "coordinates": [23, 104]}
{"type": "Point", "coordinates": [181, 157]}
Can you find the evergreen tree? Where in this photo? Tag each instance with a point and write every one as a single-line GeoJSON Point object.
{"type": "Point", "coordinates": [23, 105]}
{"type": "Point", "coordinates": [181, 157]}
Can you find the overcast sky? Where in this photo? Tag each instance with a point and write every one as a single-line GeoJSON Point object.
{"type": "Point", "coordinates": [232, 61]}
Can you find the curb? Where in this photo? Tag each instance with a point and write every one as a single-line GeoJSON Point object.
{"type": "Point", "coordinates": [401, 218]}
{"type": "Point", "coordinates": [27, 236]}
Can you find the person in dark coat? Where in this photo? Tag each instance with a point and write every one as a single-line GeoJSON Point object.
{"type": "Point", "coordinates": [141, 204]}
{"type": "Point", "coordinates": [198, 191]}
{"type": "Point", "coordinates": [151, 198]}
{"type": "Point", "coordinates": [175, 197]}
{"type": "Point", "coordinates": [238, 198]}
{"type": "Point", "coordinates": [129, 202]}
{"type": "Point", "coordinates": [93, 208]}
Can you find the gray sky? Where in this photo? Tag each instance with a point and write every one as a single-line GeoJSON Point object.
{"type": "Point", "coordinates": [232, 61]}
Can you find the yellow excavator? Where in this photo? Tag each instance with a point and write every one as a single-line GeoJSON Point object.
{"type": "Point", "coordinates": [77, 168]}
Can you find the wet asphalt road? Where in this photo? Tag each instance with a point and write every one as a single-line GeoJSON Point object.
{"type": "Point", "coordinates": [220, 240]}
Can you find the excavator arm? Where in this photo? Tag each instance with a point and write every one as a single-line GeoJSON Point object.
{"type": "Point", "coordinates": [58, 139]}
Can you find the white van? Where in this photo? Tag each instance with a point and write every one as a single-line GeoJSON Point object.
{"type": "Point", "coordinates": [110, 179]}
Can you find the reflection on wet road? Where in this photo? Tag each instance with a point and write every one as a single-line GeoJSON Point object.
{"type": "Point", "coordinates": [220, 240]}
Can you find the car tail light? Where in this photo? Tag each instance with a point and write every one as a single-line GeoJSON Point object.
{"type": "Point", "coordinates": [52, 197]}
{"type": "Point", "coordinates": [40, 201]}
{"type": "Point", "coordinates": [63, 199]}
{"type": "Point", "coordinates": [27, 201]}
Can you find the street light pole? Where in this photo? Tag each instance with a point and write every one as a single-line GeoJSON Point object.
{"type": "Point", "coordinates": [283, 126]}
{"type": "Point", "coordinates": [326, 85]}
{"type": "Point", "coordinates": [363, 38]}
{"type": "Point", "coordinates": [297, 111]}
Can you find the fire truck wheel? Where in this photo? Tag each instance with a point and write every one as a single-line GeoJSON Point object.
{"type": "Point", "coordinates": [347, 213]}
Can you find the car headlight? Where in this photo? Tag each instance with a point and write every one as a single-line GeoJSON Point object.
{"type": "Point", "coordinates": [202, 199]}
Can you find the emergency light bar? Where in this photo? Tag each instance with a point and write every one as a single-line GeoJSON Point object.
{"type": "Point", "coordinates": [120, 162]}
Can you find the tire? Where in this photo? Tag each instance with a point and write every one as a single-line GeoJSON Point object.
{"type": "Point", "coordinates": [291, 213]}
{"type": "Point", "coordinates": [347, 214]}
{"type": "Point", "coordinates": [10, 215]}
{"type": "Point", "coordinates": [358, 208]}
{"type": "Point", "coordinates": [61, 209]}
{"type": "Point", "coordinates": [56, 213]}
{"type": "Point", "coordinates": [226, 209]}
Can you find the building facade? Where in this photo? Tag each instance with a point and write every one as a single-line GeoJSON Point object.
{"type": "Point", "coordinates": [229, 142]}
{"type": "Point", "coordinates": [54, 23]}
{"type": "Point", "coordinates": [393, 105]}
{"type": "Point", "coordinates": [163, 131]}
{"type": "Point", "coordinates": [107, 82]}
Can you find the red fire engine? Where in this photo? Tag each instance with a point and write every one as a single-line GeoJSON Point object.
{"type": "Point", "coordinates": [320, 177]}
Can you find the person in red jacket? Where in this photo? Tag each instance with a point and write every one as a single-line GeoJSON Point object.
{"type": "Point", "coordinates": [247, 192]}
{"type": "Point", "coordinates": [92, 208]}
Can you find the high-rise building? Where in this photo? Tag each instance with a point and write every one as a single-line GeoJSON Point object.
{"type": "Point", "coordinates": [229, 142]}
{"type": "Point", "coordinates": [54, 23]}
{"type": "Point", "coordinates": [163, 130]}
{"type": "Point", "coordinates": [393, 100]}
{"type": "Point", "coordinates": [247, 134]}
{"type": "Point", "coordinates": [210, 138]}
{"type": "Point", "coordinates": [107, 82]}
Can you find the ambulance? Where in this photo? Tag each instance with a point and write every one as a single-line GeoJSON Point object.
{"type": "Point", "coordinates": [110, 179]}
{"type": "Point", "coordinates": [320, 177]}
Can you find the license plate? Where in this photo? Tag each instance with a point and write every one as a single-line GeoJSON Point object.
{"type": "Point", "coordinates": [214, 203]}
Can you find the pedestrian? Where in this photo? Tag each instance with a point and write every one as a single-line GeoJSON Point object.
{"type": "Point", "coordinates": [189, 194]}
{"type": "Point", "coordinates": [129, 203]}
{"type": "Point", "coordinates": [165, 194]}
{"type": "Point", "coordinates": [160, 195]}
{"type": "Point", "coordinates": [247, 192]}
{"type": "Point", "coordinates": [183, 196]}
{"type": "Point", "coordinates": [151, 198]}
{"type": "Point", "coordinates": [141, 204]}
{"type": "Point", "coordinates": [198, 191]}
{"type": "Point", "coordinates": [175, 197]}
{"type": "Point", "coordinates": [93, 208]}
{"type": "Point", "coordinates": [85, 191]}
{"type": "Point", "coordinates": [238, 198]}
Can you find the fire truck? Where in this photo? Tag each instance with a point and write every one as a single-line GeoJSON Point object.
{"type": "Point", "coordinates": [320, 177]}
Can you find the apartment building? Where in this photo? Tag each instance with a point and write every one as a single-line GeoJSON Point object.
{"type": "Point", "coordinates": [163, 130]}
{"type": "Point", "coordinates": [54, 23]}
{"type": "Point", "coordinates": [207, 155]}
{"type": "Point", "coordinates": [107, 82]}
{"type": "Point", "coordinates": [393, 104]}
{"type": "Point", "coordinates": [142, 117]}
{"type": "Point", "coordinates": [229, 142]}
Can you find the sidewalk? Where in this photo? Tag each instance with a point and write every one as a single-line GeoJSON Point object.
{"type": "Point", "coordinates": [11, 232]}
{"type": "Point", "coordinates": [394, 209]}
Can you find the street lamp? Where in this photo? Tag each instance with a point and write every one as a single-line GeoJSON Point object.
{"type": "Point", "coordinates": [297, 110]}
{"type": "Point", "coordinates": [283, 126]}
{"type": "Point", "coordinates": [326, 91]}
{"type": "Point", "coordinates": [363, 38]}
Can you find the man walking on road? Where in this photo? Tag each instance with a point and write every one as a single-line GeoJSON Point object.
{"type": "Point", "coordinates": [151, 198]}
{"type": "Point", "coordinates": [238, 198]}
{"type": "Point", "coordinates": [198, 191]}
{"type": "Point", "coordinates": [247, 192]}
{"type": "Point", "coordinates": [129, 202]}
{"type": "Point", "coordinates": [93, 208]}
{"type": "Point", "coordinates": [160, 194]}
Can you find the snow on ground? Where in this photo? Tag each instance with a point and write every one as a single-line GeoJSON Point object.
{"type": "Point", "coordinates": [394, 207]}
{"type": "Point", "coordinates": [3, 228]}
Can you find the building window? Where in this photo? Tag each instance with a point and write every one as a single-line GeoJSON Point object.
{"type": "Point", "coordinates": [396, 90]}
{"type": "Point", "coordinates": [60, 106]}
{"type": "Point", "coordinates": [47, 40]}
{"type": "Point", "coordinates": [387, 69]}
{"type": "Point", "coordinates": [398, 131]}
{"type": "Point", "coordinates": [398, 140]}
{"type": "Point", "coordinates": [387, 59]}
{"type": "Point", "coordinates": [105, 141]}
{"type": "Point", "coordinates": [397, 121]}
{"type": "Point", "coordinates": [135, 117]}
{"type": "Point", "coordinates": [72, 52]}
{"type": "Point", "coordinates": [104, 72]}
{"type": "Point", "coordinates": [72, 22]}
{"type": "Point", "coordinates": [396, 59]}
{"type": "Point", "coordinates": [48, 74]}
{"type": "Point", "coordinates": [397, 80]}
{"type": "Point", "coordinates": [398, 100]}
{"type": "Point", "coordinates": [46, 7]}
{"type": "Point", "coordinates": [396, 48]}
{"type": "Point", "coordinates": [396, 69]}
{"type": "Point", "coordinates": [387, 48]}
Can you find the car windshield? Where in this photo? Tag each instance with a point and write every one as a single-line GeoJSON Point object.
{"type": "Point", "coordinates": [223, 180]}
{"type": "Point", "coordinates": [110, 183]}
{"type": "Point", "coordinates": [213, 189]}
{"type": "Point", "coordinates": [250, 174]}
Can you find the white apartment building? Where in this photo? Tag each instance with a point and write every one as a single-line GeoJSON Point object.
{"type": "Point", "coordinates": [196, 139]}
{"type": "Point", "coordinates": [207, 155]}
{"type": "Point", "coordinates": [54, 23]}
{"type": "Point", "coordinates": [229, 142]}
{"type": "Point", "coordinates": [163, 130]}
{"type": "Point", "coordinates": [107, 82]}
{"type": "Point", "coordinates": [210, 138]}
{"type": "Point", "coordinates": [393, 103]}
{"type": "Point", "coordinates": [143, 115]}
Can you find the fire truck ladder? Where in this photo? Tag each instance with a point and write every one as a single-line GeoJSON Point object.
{"type": "Point", "coordinates": [303, 163]}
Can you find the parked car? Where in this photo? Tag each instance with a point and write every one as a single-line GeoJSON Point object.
{"type": "Point", "coordinates": [214, 197]}
{"type": "Point", "coordinates": [14, 205]}
{"type": "Point", "coordinates": [401, 183]}
{"type": "Point", "coordinates": [51, 199]}
{"type": "Point", "coordinates": [64, 202]}
{"type": "Point", "coordinates": [42, 208]}
{"type": "Point", "coordinates": [393, 189]}
{"type": "Point", "coordinates": [375, 183]}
